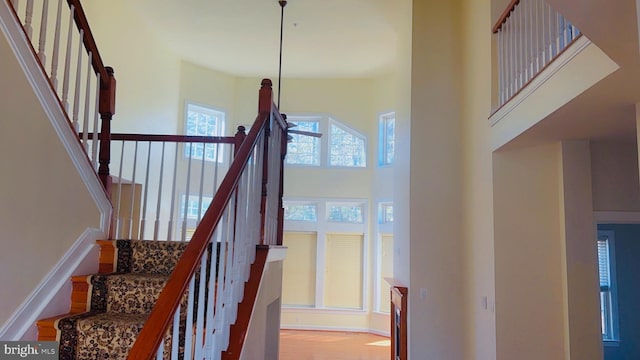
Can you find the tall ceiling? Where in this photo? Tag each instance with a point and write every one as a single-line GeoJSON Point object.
{"type": "Point", "coordinates": [322, 38]}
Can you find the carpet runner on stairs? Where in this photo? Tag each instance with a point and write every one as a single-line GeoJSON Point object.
{"type": "Point", "coordinates": [120, 302]}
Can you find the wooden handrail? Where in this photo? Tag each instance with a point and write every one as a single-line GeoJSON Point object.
{"type": "Point", "coordinates": [161, 316]}
{"type": "Point", "coordinates": [169, 138]}
{"type": "Point", "coordinates": [505, 15]}
{"type": "Point", "coordinates": [89, 42]}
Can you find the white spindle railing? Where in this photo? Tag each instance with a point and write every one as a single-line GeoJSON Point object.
{"type": "Point", "coordinates": [81, 89]}
{"type": "Point", "coordinates": [155, 187]}
{"type": "Point", "coordinates": [530, 34]}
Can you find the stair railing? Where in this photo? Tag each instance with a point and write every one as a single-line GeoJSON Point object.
{"type": "Point", "coordinates": [76, 72]}
{"type": "Point", "coordinates": [162, 184]}
{"type": "Point", "coordinates": [529, 35]}
{"type": "Point", "coordinates": [200, 300]}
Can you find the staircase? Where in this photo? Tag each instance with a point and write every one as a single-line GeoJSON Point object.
{"type": "Point", "coordinates": [158, 298]}
{"type": "Point", "coordinates": [117, 300]}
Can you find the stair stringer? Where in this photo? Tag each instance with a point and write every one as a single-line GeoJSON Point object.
{"type": "Point", "coordinates": [52, 293]}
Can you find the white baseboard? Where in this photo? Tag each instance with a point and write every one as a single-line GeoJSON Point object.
{"type": "Point", "coordinates": [39, 303]}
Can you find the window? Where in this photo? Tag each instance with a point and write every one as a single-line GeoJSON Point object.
{"type": "Point", "coordinates": [300, 212]}
{"type": "Point", "coordinates": [387, 138]}
{"type": "Point", "coordinates": [304, 150]}
{"type": "Point", "coordinates": [608, 301]}
{"type": "Point", "coordinates": [385, 213]}
{"type": "Point", "coordinates": [346, 213]}
{"type": "Point", "coordinates": [195, 207]}
{"type": "Point", "coordinates": [347, 147]}
{"type": "Point", "coordinates": [203, 121]}
{"type": "Point", "coordinates": [340, 146]}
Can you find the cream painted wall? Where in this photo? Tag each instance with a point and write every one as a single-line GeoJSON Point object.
{"type": "Point", "coordinates": [478, 182]}
{"type": "Point", "coordinates": [38, 177]}
{"type": "Point", "coordinates": [212, 88]}
{"type": "Point", "coordinates": [436, 328]}
{"type": "Point", "coordinates": [146, 71]}
{"type": "Point", "coordinates": [529, 266]}
{"type": "Point", "coordinates": [615, 176]}
{"type": "Point", "coordinates": [580, 254]}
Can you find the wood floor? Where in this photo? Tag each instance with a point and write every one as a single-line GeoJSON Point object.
{"type": "Point", "coordinates": [326, 345]}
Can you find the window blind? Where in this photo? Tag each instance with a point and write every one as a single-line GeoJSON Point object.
{"type": "Point", "coordinates": [603, 264]}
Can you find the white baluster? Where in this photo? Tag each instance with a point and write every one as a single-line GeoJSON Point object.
{"type": "Point", "coordinates": [56, 48]}
{"type": "Point", "coordinates": [202, 167]}
{"type": "Point", "coordinates": [215, 168]}
{"type": "Point", "coordinates": [173, 195]}
{"type": "Point", "coordinates": [532, 37]}
{"type": "Point", "coordinates": [188, 341]}
{"type": "Point", "coordinates": [28, 19]}
{"type": "Point", "coordinates": [76, 92]}
{"type": "Point", "coordinates": [183, 235]}
{"type": "Point", "coordinates": [42, 39]}
{"type": "Point", "coordinates": [119, 202]}
{"type": "Point", "coordinates": [539, 37]}
{"type": "Point", "coordinates": [201, 304]}
{"type": "Point", "coordinates": [500, 66]}
{"type": "Point", "coordinates": [132, 194]}
{"type": "Point", "coordinates": [96, 115]}
{"type": "Point", "coordinates": [67, 64]}
{"type": "Point", "coordinates": [553, 34]}
{"type": "Point", "coordinates": [159, 353]}
{"type": "Point", "coordinates": [145, 200]}
{"type": "Point", "coordinates": [87, 104]}
{"type": "Point", "coordinates": [175, 336]}
{"type": "Point", "coordinates": [156, 226]}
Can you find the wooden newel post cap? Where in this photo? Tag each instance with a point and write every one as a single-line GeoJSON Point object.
{"type": "Point", "coordinates": [107, 105]}
{"type": "Point", "coordinates": [266, 83]}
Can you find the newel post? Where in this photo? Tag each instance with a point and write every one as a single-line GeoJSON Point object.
{"type": "Point", "coordinates": [265, 101]}
{"type": "Point", "coordinates": [239, 138]}
{"type": "Point", "coordinates": [107, 107]}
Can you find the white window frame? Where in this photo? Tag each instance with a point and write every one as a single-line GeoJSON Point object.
{"type": "Point", "coordinates": [302, 203]}
{"type": "Point", "coordinates": [351, 131]}
{"type": "Point", "coordinates": [322, 227]}
{"type": "Point", "coordinates": [383, 228]}
{"type": "Point", "coordinates": [307, 118]}
{"type": "Point", "coordinates": [612, 336]}
{"type": "Point", "coordinates": [383, 138]}
{"type": "Point", "coordinates": [324, 125]}
{"type": "Point", "coordinates": [220, 130]}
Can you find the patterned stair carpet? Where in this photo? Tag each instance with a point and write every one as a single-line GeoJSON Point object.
{"type": "Point", "coordinates": [121, 302]}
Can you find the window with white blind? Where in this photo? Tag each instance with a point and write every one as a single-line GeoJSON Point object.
{"type": "Point", "coordinates": [325, 266]}
{"type": "Point", "coordinates": [608, 298]}
{"type": "Point", "coordinates": [343, 271]}
{"type": "Point", "coordinates": [299, 269]}
{"type": "Point", "coordinates": [386, 271]}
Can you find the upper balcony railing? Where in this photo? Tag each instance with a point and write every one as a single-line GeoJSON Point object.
{"type": "Point", "coordinates": [529, 35]}
{"type": "Point", "coordinates": [62, 41]}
